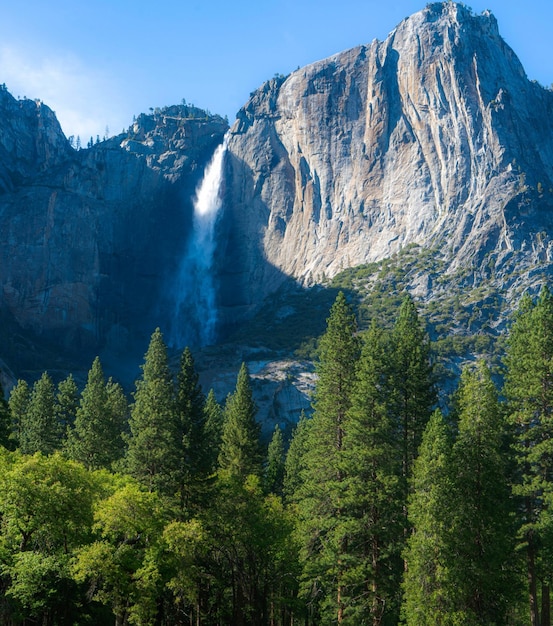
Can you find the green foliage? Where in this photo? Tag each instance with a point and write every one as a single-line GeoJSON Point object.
{"type": "Point", "coordinates": [320, 493]}
{"type": "Point", "coordinates": [40, 430]}
{"type": "Point", "coordinates": [20, 397]}
{"type": "Point", "coordinates": [372, 495]}
{"type": "Point", "coordinates": [154, 444]}
{"type": "Point", "coordinates": [240, 453]}
{"type": "Point", "coordinates": [425, 596]}
{"type": "Point", "coordinates": [193, 462]}
{"type": "Point", "coordinates": [95, 439]}
{"type": "Point", "coordinates": [251, 543]}
{"type": "Point", "coordinates": [529, 392]}
{"type": "Point", "coordinates": [483, 572]}
{"type": "Point", "coordinates": [46, 507]}
{"type": "Point", "coordinates": [295, 462]}
{"type": "Point", "coordinates": [120, 566]}
{"type": "Point", "coordinates": [412, 386]}
{"type": "Point", "coordinates": [274, 472]}
{"type": "Point", "coordinates": [5, 421]}
{"type": "Point", "coordinates": [67, 402]}
{"type": "Point", "coordinates": [199, 531]}
{"type": "Point", "coordinates": [213, 431]}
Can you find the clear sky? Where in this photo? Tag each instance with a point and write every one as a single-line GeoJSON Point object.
{"type": "Point", "coordinates": [99, 62]}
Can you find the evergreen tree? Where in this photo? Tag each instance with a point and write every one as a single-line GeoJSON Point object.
{"type": "Point", "coordinates": [18, 403]}
{"type": "Point", "coordinates": [483, 581]}
{"type": "Point", "coordinates": [190, 414]}
{"type": "Point", "coordinates": [5, 421]}
{"type": "Point", "coordinates": [294, 464]}
{"type": "Point", "coordinates": [67, 402]}
{"type": "Point", "coordinates": [118, 408]}
{"type": "Point", "coordinates": [274, 472]}
{"type": "Point", "coordinates": [240, 453]}
{"type": "Point", "coordinates": [95, 440]}
{"type": "Point", "coordinates": [371, 511]}
{"type": "Point", "coordinates": [320, 498]}
{"type": "Point", "coordinates": [427, 557]}
{"type": "Point", "coordinates": [413, 388]}
{"type": "Point", "coordinates": [40, 430]}
{"type": "Point", "coordinates": [154, 447]}
{"type": "Point", "coordinates": [529, 391]}
{"type": "Point", "coordinates": [213, 430]}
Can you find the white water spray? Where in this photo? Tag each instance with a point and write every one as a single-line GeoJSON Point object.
{"type": "Point", "coordinates": [195, 318]}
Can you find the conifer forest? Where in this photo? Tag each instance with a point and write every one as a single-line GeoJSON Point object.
{"type": "Point", "coordinates": [394, 502]}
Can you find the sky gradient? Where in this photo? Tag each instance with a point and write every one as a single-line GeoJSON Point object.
{"type": "Point", "coordinates": [98, 63]}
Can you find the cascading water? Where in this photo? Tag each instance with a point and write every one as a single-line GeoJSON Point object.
{"type": "Point", "coordinates": [195, 313]}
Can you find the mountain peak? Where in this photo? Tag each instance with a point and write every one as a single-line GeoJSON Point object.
{"type": "Point", "coordinates": [432, 137]}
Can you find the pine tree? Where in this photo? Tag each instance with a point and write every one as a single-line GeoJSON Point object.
{"type": "Point", "coordinates": [193, 462]}
{"type": "Point", "coordinates": [67, 402]}
{"type": "Point", "coordinates": [372, 505]}
{"type": "Point", "coordinates": [118, 408]}
{"type": "Point", "coordinates": [5, 421]}
{"type": "Point", "coordinates": [153, 445]}
{"type": "Point", "coordinates": [40, 430]}
{"type": "Point", "coordinates": [414, 393]}
{"type": "Point", "coordinates": [95, 440]}
{"type": "Point", "coordinates": [483, 581]}
{"type": "Point", "coordinates": [20, 397]}
{"type": "Point", "coordinates": [240, 453]}
{"type": "Point", "coordinates": [426, 601]}
{"type": "Point", "coordinates": [529, 391]}
{"type": "Point", "coordinates": [274, 472]}
{"type": "Point", "coordinates": [294, 464]}
{"type": "Point", "coordinates": [213, 430]}
{"type": "Point", "coordinates": [320, 496]}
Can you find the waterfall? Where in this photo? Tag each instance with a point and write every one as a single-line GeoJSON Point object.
{"type": "Point", "coordinates": [195, 310]}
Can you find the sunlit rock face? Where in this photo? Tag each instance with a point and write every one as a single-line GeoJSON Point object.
{"type": "Point", "coordinates": [434, 136]}
{"type": "Point", "coordinates": [90, 240]}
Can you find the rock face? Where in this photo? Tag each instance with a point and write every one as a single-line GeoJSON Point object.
{"type": "Point", "coordinates": [89, 239]}
{"type": "Point", "coordinates": [434, 136]}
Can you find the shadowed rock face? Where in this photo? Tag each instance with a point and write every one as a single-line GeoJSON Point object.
{"type": "Point", "coordinates": [434, 136]}
{"type": "Point", "coordinates": [90, 239]}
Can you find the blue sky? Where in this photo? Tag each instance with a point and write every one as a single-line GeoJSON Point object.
{"type": "Point", "coordinates": [98, 63]}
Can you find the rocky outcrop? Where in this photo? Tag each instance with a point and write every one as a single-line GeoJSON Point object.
{"type": "Point", "coordinates": [90, 239]}
{"type": "Point", "coordinates": [31, 140]}
{"type": "Point", "coordinates": [434, 136]}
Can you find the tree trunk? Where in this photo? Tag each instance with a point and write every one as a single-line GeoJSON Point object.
{"type": "Point", "coordinates": [545, 605]}
{"type": "Point", "coordinates": [340, 605]}
{"type": "Point", "coordinates": [532, 585]}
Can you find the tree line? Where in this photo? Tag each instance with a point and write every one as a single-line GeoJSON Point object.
{"type": "Point", "coordinates": [380, 510]}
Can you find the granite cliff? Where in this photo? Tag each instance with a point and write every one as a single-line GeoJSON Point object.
{"type": "Point", "coordinates": [434, 137]}
{"type": "Point", "coordinates": [432, 140]}
{"type": "Point", "coordinates": [90, 239]}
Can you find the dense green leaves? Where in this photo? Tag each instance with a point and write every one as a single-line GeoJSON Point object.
{"type": "Point", "coordinates": [154, 444]}
{"type": "Point", "coordinates": [427, 557]}
{"type": "Point", "coordinates": [240, 453]}
{"type": "Point", "coordinates": [320, 496]}
{"type": "Point", "coordinates": [529, 391]}
{"type": "Point", "coordinates": [372, 495]}
{"type": "Point", "coordinates": [95, 439]}
{"type": "Point", "coordinates": [39, 429]}
{"type": "Point", "coordinates": [378, 513]}
{"type": "Point", "coordinates": [193, 463]}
